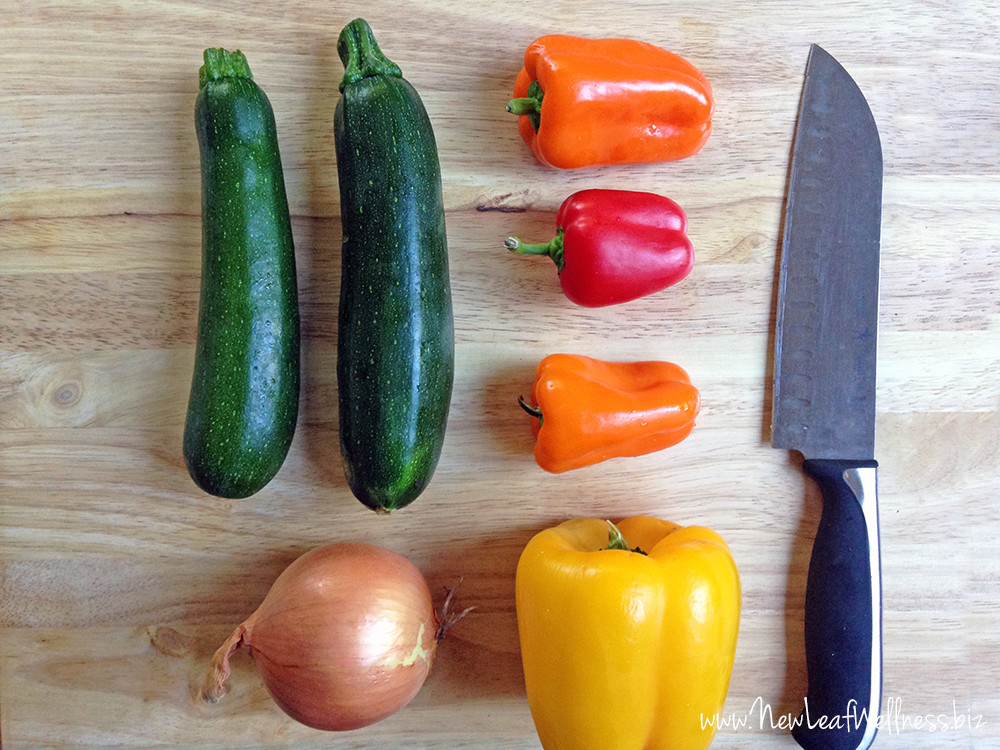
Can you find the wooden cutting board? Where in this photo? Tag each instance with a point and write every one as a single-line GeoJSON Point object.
{"type": "Point", "coordinates": [120, 578]}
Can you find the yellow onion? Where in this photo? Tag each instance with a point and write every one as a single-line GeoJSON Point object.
{"type": "Point", "coordinates": [345, 637]}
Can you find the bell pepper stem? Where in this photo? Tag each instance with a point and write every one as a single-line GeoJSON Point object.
{"type": "Point", "coordinates": [530, 105]}
{"type": "Point", "coordinates": [532, 410]}
{"type": "Point", "coordinates": [524, 105]}
{"type": "Point", "coordinates": [616, 540]}
{"type": "Point", "coordinates": [554, 248]}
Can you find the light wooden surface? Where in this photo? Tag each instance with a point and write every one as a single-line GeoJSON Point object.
{"type": "Point", "coordinates": [120, 578]}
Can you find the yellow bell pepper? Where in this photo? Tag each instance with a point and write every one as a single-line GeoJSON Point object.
{"type": "Point", "coordinates": [628, 633]}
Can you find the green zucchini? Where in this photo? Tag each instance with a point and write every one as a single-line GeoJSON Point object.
{"type": "Point", "coordinates": [396, 340]}
{"type": "Point", "coordinates": [245, 390]}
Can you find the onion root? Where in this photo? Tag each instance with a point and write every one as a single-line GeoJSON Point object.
{"type": "Point", "coordinates": [447, 618]}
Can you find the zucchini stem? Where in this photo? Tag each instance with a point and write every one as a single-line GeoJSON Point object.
{"type": "Point", "coordinates": [221, 63]}
{"type": "Point", "coordinates": [361, 54]}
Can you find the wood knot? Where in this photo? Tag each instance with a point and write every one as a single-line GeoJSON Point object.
{"type": "Point", "coordinates": [500, 203]}
{"type": "Point", "coordinates": [67, 395]}
{"type": "Point", "coordinates": [170, 642]}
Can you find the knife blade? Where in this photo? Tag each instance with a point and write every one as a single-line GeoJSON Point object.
{"type": "Point", "coordinates": [824, 395]}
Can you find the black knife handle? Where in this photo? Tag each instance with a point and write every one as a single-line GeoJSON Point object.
{"type": "Point", "coordinates": [843, 612]}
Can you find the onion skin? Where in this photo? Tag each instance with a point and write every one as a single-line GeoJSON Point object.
{"type": "Point", "coordinates": [345, 637]}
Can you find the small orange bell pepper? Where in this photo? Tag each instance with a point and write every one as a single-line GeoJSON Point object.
{"type": "Point", "coordinates": [595, 102]}
{"type": "Point", "coordinates": [588, 410]}
{"type": "Point", "coordinates": [628, 635]}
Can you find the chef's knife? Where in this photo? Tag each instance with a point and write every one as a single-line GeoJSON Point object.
{"type": "Point", "coordinates": [824, 395]}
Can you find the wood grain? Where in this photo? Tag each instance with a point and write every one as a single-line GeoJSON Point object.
{"type": "Point", "coordinates": [118, 579]}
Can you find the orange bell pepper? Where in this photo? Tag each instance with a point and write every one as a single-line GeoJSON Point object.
{"type": "Point", "coordinates": [595, 102]}
{"type": "Point", "coordinates": [588, 410]}
{"type": "Point", "coordinates": [628, 635]}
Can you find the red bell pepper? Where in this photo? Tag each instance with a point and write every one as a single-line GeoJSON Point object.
{"type": "Point", "coordinates": [613, 246]}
